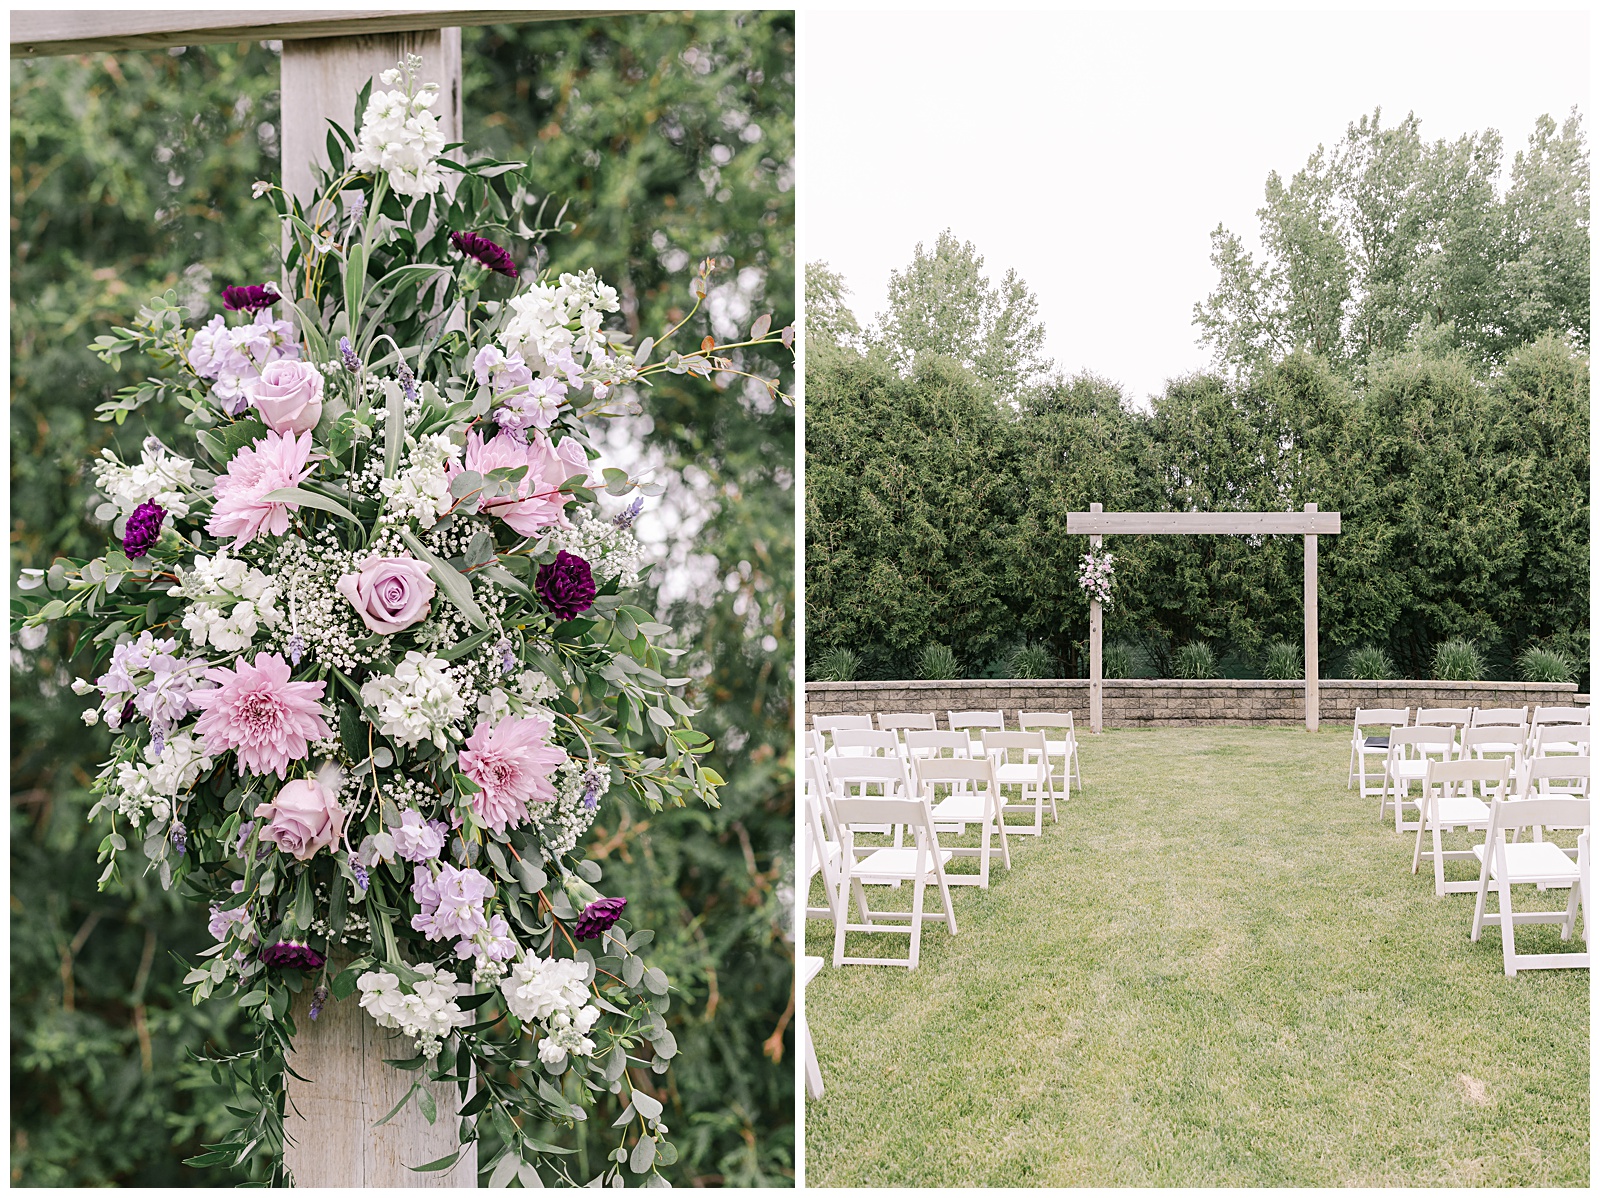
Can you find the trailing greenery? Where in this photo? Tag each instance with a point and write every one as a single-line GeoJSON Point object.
{"type": "Point", "coordinates": [1458, 660]}
{"type": "Point", "coordinates": [1285, 659]}
{"type": "Point", "coordinates": [1369, 662]}
{"type": "Point", "coordinates": [130, 169]}
{"type": "Point", "coordinates": [1546, 665]}
{"type": "Point", "coordinates": [938, 664]}
{"type": "Point", "coordinates": [1195, 660]}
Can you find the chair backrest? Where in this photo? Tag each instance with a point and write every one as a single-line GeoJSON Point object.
{"type": "Point", "coordinates": [889, 773]}
{"type": "Point", "coordinates": [921, 745]}
{"type": "Point", "coordinates": [854, 812]}
{"type": "Point", "coordinates": [864, 742]}
{"type": "Point", "coordinates": [1499, 716]}
{"type": "Point", "coordinates": [1381, 717]}
{"type": "Point", "coordinates": [1000, 743]}
{"type": "Point", "coordinates": [1507, 815]}
{"type": "Point", "coordinates": [1562, 738]}
{"type": "Point", "coordinates": [1489, 775]}
{"type": "Point", "coordinates": [832, 723]}
{"type": "Point", "coordinates": [1497, 738]}
{"type": "Point", "coordinates": [1540, 776]}
{"type": "Point", "coordinates": [977, 719]}
{"type": "Point", "coordinates": [1421, 737]}
{"type": "Point", "coordinates": [1030, 720]}
{"type": "Point", "coordinates": [1456, 717]}
{"type": "Point", "coordinates": [902, 720]}
{"type": "Point", "coordinates": [1560, 715]}
{"type": "Point", "coordinates": [959, 772]}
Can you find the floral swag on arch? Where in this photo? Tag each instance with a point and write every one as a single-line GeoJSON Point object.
{"type": "Point", "coordinates": [369, 653]}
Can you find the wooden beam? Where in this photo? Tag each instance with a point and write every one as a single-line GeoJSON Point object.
{"type": "Point", "coordinates": [1313, 711]}
{"type": "Point", "coordinates": [1224, 523]}
{"type": "Point", "coordinates": [1096, 653]}
{"type": "Point", "coordinates": [79, 32]}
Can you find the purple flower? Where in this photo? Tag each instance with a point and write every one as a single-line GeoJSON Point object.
{"type": "Point", "coordinates": [318, 997]}
{"type": "Point", "coordinates": [180, 837]}
{"type": "Point", "coordinates": [292, 954]}
{"type": "Point", "coordinates": [408, 381]}
{"type": "Point", "coordinates": [249, 299]}
{"type": "Point", "coordinates": [593, 782]}
{"type": "Point", "coordinates": [360, 872]}
{"type": "Point", "coordinates": [598, 916]}
{"type": "Point", "coordinates": [486, 252]}
{"type": "Point", "coordinates": [297, 649]}
{"type": "Point", "coordinates": [348, 356]}
{"type": "Point", "coordinates": [566, 585]}
{"type": "Point", "coordinates": [143, 529]}
{"type": "Point", "coordinates": [626, 517]}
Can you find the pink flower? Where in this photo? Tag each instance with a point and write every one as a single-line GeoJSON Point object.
{"type": "Point", "coordinates": [452, 902]}
{"type": "Point", "coordinates": [288, 395]}
{"type": "Point", "coordinates": [257, 711]}
{"type": "Point", "coordinates": [276, 460]}
{"type": "Point", "coordinates": [390, 593]}
{"type": "Point", "coordinates": [303, 817]}
{"type": "Point", "coordinates": [512, 763]}
{"type": "Point", "coordinates": [538, 502]}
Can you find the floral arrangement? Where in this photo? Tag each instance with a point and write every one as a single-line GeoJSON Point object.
{"type": "Point", "coordinates": [368, 649]}
{"type": "Point", "coordinates": [1096, 574]}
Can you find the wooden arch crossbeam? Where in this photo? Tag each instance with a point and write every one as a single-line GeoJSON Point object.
{"type": "Point", "coordinates": [1309, 523]}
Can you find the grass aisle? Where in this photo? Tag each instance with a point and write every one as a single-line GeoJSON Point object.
{"type": "Point", "coordinates": [1216, 970]}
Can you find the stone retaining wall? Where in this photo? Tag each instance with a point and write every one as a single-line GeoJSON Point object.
{"type": "Point", "coordinates": [1136, 702]}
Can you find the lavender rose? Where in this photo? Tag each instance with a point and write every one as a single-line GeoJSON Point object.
{"type": "Point", "coordinates": [288, 395]}
{"type": "Point", "coordinates": [566, 585]}
{"type": "Point", "coordinates": [390, 593]}
{"type": "Point", "coordinates": [302, 818]}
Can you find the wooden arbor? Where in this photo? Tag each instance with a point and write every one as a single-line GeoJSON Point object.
{"type": "Point", "coordinates": [1308, 523]}
{"type": "Point", "coordinates": [328, 56]}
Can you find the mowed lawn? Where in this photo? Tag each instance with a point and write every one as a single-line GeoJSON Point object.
{"type": "Point", "coordinates": [1217, 969]}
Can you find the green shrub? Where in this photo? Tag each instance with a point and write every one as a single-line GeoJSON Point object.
{"type": "Point", "coordinates": [938, 663]}
{"type": "Point", "coordinates": [838, 665]}
{"type": "Point", "coordinates": [1285, 660]}
{"type": "Point", "coordinates": [1546, 665]}
{"type": "Point", "coordinates": [1458, 660]}
{"type": "Point", "coordinates": [1195, 660]}
{"type": "Point", "coordinates": [1032, 661]}
{"type": "Point", "coordinates": [1370, 662]}
{"type": "Point", "coordinates": [1116, 660]}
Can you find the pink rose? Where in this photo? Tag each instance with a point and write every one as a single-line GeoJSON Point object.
{"type": "Point", "coordinates": [302, 819]}
{"type": "Point", "coordinates": [390, 593]}
{"type": "Point", "coordinates": [288, 395]}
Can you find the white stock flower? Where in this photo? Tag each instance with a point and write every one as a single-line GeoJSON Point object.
{"type": "Point", "coordinates": [428, 1014]}
{"type": "Point", "coordinates": [420, 701]}
{"type": "Point", "coordinates": [400, 137]}
{"type": "Point", "coordinates": [540, 987]}
{"type": "Point", "coordinates": [159, 476]}
{"type": "Point", "coordinates": [421, 492]}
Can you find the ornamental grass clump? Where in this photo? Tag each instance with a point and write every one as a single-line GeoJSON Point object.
{"type": "Point", "coordinates": [1537, 664]}
{"type": "Point", "coordinates": [375, 653]}
{"type": "Point", "coordinates": [1195, 660]}
{"type": "Point", "coordinates": [1031, 661]}
{"type": "Point", "coordinates": [1458, 660]}
{"type": "Point", "coordinates": [1116, 660]}
{"type": "Point", "coordinates": [1285, 660]}
{"type": "Point", "coordinates": [938, 663]}
{"type": "Point", "coordinates": [1370, 662]}
{"type": "Point", "coordinates": [838, 665]}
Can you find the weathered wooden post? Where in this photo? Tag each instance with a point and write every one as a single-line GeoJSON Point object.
{"type": "Point", "coordinates": [1096, 661]}
{"type": "Point", "coordinates": [1312, 698]}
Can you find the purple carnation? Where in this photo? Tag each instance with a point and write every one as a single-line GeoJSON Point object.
{"type": "Point", "coordinates": [485, 251]}
{"type": "Point", "coordinates": [143, 529]}
{"type": "Point", "coordinates": [566, 585]}
{"type": "Point", "coordinates": [292, 954]}
{"type": "Point", "coordinates": [598, 916]}
{"type": "Point", "coordinates": [249, 299]}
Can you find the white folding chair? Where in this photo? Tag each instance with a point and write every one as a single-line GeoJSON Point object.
{"type": "Point", "coordinates": [1031, 775]}
{"type": "Point", "coordinates": [1533, 862]}
{"type": "Point", "coordinates": [1376, 744]}
{"type": "Point", "coordinates": [864, 742]}
{"type": "Point", "coordinates": [901, 722]}
{"type": "Point", "coordinates": [920, 864]}
{"type": "Point", "coordinates": [1065, 747]}
{"type": "Point", "coordinates": [973, 798]}
{"type": "Point", "coordinates": [822, 850]}
{"type": "Point", "coordinates": [1499, 717]}
{"type": "Point", "coordinates": [1410, 750]}
{"type": "Point", "coordinates": [1552, 740]}
{"type": "Point", "coordinates": [1502, 741]}
{"type": "Point", "coordinates": [1548, 719]}
{"type": "Point", "coordinates": [1448, 803]}
{"type": "Point", "coordinates": [866, 777]}
{"type": "Point", "coordinates": [1453, 717]}
{"type": "Point", "coordinates": [826, 725]}
{"type": "Point", "coordinates": [975, 723]}
{"type": "Point", "coordinates": [1552, 778]}
{"type": "Point", "coordinates": [809, 967]}
{"type": "Point", "coordinates": [921, 744]}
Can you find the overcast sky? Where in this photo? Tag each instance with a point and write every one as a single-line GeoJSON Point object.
{"type": "Point", "coordinates": [1095, 152]}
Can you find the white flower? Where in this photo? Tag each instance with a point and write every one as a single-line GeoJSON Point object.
{"type": "Point", "coordinates": [233, 601]}
{"type": "Point", "coordinates": [401, 137]}
{"type": "Point", "coordinates": [611, 552]}
{"type": "Point", "coordinates": [422, 490]}
{"type": "Point", "coordinates": [259, 188]}
{"type": "Point", "coordinates": [420, 701]}
{"type": "Point", "coordinates": [159, 477]}
{"type": "Point", "coordinates": [33, 636]}
{"type": "Point", "coordinates": [538, 988]}
{"type": "Point", "coordinates": [427, 1014]}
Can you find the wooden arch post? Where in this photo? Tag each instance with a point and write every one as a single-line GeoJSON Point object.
{"type": "Point", "coordinates": [1307, 523]}
{"type": "Point", "coordinates": [328, 56]}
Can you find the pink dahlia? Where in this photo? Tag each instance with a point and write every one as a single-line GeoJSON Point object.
{"type": "Point", "coordinates": [512, 762]}
{"type": "Point", "coordinates": [242, 511]}
{"type": "Point", "coordinates": [256, 711]}
{"type": "Point", "coordinates": [538, 502]}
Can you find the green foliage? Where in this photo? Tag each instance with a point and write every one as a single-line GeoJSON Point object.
{"type": "Point", "coordinates": [1458, 660]}
{"type": "Point", "coordinates": [1284, 659]}
{"type": "Point", "coordinates": [1370, 662]}
{"type": "Point", "coordinates": [1116, 660]}
{"type": "Point", "coordinates": [830, 324]}
{"type": "Point", "coordinates": [1195, 660]}
{"type": "Point", "coordinates": [1537, 664]}
{"type": "Point", "coordinates": [938, 664]}
{"type": "Point", "coordinates": [1031, 661]}
{"type": "Point", "coordinates": [838, 665]}
{"type": "Point", "coordinates": [130, 171]}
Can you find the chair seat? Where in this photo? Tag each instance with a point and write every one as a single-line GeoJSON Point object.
{"type": "Point", "coordinates": [1375, 742]}
{"type": "Point", "coordinates": [1498, 746]}
{"type": "Point", "coordinates": [810, 966]}
{"type": "Point", "coordinates": [1533, 861]}
{"type": "Point", "coordinates": [964, 807]}
{"type": "Point", "coordinates": [1057, 748]}
{"type": "Point", "coordinates": [1029, 773]}
{"type": "Point", "coordinates": [896, 863]}
{"type": "Point", "coordinates": [1458, 809]}
{"type": "Point", "coordinates": [1410, 769]}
